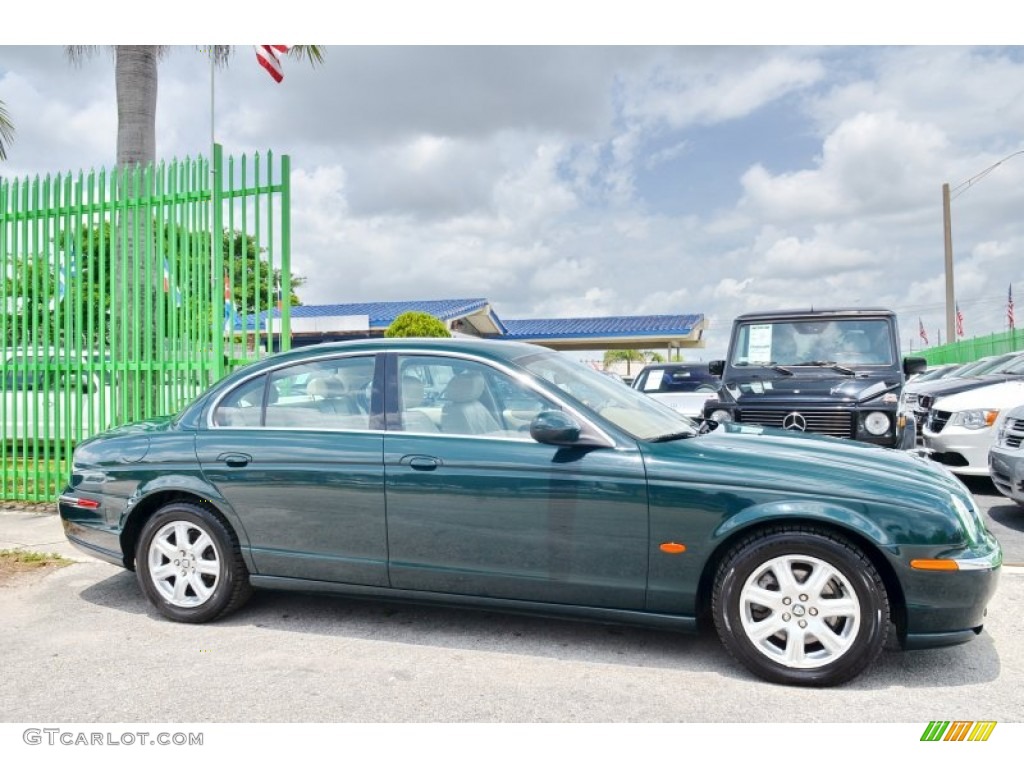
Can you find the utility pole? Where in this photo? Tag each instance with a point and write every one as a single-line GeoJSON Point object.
{"type": "Point", "coordinates": [947, 228]}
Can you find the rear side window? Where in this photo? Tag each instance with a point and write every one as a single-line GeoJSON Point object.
{"type": "Point", "coordinates": [333, 393]}
{"type": "Point", "coordinates": [243, 407]}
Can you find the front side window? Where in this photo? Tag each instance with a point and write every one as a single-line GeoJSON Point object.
{"type": "Point", "coordinates": [452, 396]}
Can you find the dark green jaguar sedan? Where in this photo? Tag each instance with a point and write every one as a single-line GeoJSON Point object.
{"type": "Point", "coordinates": [508, 477]}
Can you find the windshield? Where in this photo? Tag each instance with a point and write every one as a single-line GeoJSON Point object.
{"type": "Point", "coordinates": [631, 411]}
{"type": "Point", "coordinates": [853, 342]}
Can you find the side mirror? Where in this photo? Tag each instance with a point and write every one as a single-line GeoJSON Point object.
{"type": "Point", "coordinates": [716, 367]}
{"type": "Point", "coordinates": [554, 428]}
{"type": "Point", "coordinates": [912, 365]}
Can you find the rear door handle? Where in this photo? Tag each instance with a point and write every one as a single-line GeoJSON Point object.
{"type": "Point", "coordinates": [235, 459]}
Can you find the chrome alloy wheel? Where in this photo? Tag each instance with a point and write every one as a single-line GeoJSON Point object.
{"type": "Point", "coordinates": [184, 564]}
{"type": "Point", "coordinates": [800, 611]}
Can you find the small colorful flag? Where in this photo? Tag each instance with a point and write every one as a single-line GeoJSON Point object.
{"type": "Point", "coordinates": [921, 332]}
{"type": "Point", "coordinates": [1009, 308]}
{"type": "Point", "coordinates": [169, 284]}
{"type": "Point", "coordinates": [231, 318]}
{"type": "Point", "coordinates": [269, 57]}
{"type": "Point", "coordinates": [959, 321]}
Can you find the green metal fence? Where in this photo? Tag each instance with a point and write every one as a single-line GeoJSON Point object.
{"type": "Point", "coordinates": [968, 350]}
{"type": "Point", "coordinates": [125, 294]}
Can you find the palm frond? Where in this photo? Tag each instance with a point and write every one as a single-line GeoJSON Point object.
{"type": "Point", "coordinates": [6, 131]}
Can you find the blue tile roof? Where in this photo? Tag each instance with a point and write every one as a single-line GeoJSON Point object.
{"type": "Point", "coordinates": [593, 327]}
{"type": "Point", "coordinates": [383, 313]}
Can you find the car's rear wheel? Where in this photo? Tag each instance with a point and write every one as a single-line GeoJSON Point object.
{"type": "Point", "coordinates": [189, 564]}
{"type": "Point", "coordinates": [800, 606]}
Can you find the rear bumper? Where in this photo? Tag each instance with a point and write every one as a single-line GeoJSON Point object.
{"type": "Point", "coordinates": [87, 529]}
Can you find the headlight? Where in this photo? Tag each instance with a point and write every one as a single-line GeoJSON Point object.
{"type": "Point", "coordinates": [976, 419]}
{"type": "Point", "coordinates": [970, 518]}
{"type": "Point", "coordinates": [876, 423]}
{"type": "Point", "coordinates": [721, 416]}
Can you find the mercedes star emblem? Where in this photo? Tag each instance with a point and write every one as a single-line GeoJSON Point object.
{"type": "Point", "coordinates": [795, 421]}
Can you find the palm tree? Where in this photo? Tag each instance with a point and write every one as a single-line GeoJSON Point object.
{"type": "Point", "coordinates": [6, 131]}
{"type": "Point", "coordinates": [628, 356]}
{"type": "Point", "coordinates": [135, 81]}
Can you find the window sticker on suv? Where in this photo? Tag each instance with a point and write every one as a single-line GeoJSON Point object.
{"type": "Point", "coordinates": [759, 347]}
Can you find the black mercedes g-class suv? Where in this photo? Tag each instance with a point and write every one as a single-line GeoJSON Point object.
{"type": "Point", "coordinates": [832, 372]}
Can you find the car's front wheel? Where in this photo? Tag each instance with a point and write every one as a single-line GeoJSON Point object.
{"type": "Point", "coordinates": [800, 606]}
{"type": "Point", "coordinates": [189, 564]}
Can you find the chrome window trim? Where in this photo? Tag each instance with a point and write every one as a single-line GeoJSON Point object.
{"type": "Point", "coordinates": [519, 376]}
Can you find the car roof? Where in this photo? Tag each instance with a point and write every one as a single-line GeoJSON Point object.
{"type": "Point", "coordinates": [495, 349]}
{"type": "Point", "coordinates": [817, 314]}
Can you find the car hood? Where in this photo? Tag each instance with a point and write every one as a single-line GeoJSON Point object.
{"type": "Point", "coordinates": [801, 388]}
{"type": "Point", "coordinates": [943, 387]}
{"type": "Point", "coordinates": [755, 457]}
{"type": "Point", "coordinates": [1006, 394]}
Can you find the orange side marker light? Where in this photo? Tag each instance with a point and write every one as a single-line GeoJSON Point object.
{"type": "Point", "coordinates": [672, 548]}
{"type": "Point", "coordinates": [934, 565]}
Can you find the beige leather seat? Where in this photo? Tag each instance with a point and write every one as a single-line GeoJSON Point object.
{"type": "Point", "coordinates": [463, 413]}
{"type": "Point", "coordinates": [412, 397]}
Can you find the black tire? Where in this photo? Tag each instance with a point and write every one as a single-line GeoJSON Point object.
{"type": "Point", "coordinates": [821, 593]}
{"type": "Point", "coordinates": [189, 564]}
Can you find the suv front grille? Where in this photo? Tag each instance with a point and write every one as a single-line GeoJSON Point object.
{"type": "Point", "coordinates": [835, 423]}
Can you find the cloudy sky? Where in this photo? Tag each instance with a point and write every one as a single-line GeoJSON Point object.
{"type": "Point", "coordinates": [588, 180]}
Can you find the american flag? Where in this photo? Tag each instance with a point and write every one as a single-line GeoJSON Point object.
{"type": "Point", "coordinates": [269, 57]}
{"type": "Point", "coordinates": [921, 332]}
{"type": "Point", "coordinates": [959, 321]}
{"type": "Point", "coordinates": [1009, 308]}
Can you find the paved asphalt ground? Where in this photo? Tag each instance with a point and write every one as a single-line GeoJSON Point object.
{"type": "Point", "coordinates": [81, 644]}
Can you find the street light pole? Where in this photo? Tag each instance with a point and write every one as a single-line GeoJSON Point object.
{"type": "Point", "coordinates": [948, 236]}
{"type": "Point", "coordinates": [947, 229]}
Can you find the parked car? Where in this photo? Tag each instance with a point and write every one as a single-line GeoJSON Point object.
{"type": "Point", "coordinates": [934, 372]}
{"type": "Point", "coordinates": [45, 391]}
{"type": "Point", "coordinates": [961, 427]}
{"type": "Point", "coordinates": [919, 398]}
{"type": "Point", "coordinates": [532, 483]}
{"type": "Point", "coordinates": [832, 372]}
{"type": "Point", "coordinates": [1006, 456]}
{"type": "Point", "coordinates": [686, 387]}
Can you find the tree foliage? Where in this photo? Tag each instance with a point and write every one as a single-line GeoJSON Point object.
{"type": "Point", "coordinates": [409, 324]}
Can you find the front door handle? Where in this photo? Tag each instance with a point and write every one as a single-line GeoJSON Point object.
{"type": "Point", "coordinates": [235, 459]}
{"type": "Point", "coordinates": [424, 463]}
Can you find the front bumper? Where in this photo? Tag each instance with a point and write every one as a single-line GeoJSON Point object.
{"type": "Point", "coordinates": [949, 607]}
{"type": "Point", "coordinates": [964, 451]}
{"type": "Point", "coordinates": [1006, 468]}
